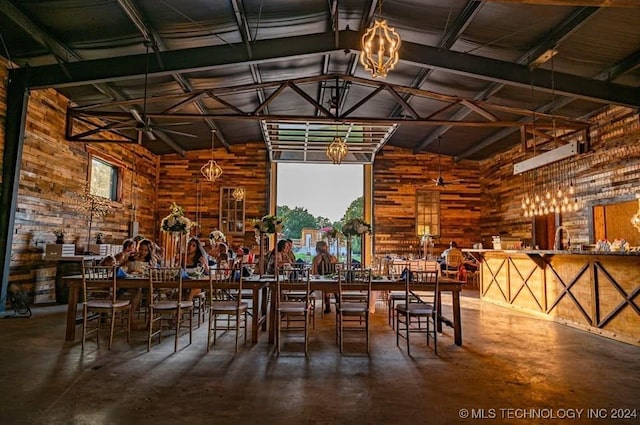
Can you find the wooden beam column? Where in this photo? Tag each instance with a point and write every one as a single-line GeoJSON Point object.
{"type": "Point", "coordinates": [17, 100]}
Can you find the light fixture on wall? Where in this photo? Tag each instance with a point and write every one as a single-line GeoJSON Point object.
{"type": "Point", "coordinates": [211, 170]}
{"type": "Point", "coordinates": [380, 46]}
{"type": "Point", "coordinates": [549, 177]}
{"type": "Point", "coordinates": [337, 150]}
{"type": "Point", "coordinates": [238, 194]}
{"type": "Point", "coordinates": [635, 220]}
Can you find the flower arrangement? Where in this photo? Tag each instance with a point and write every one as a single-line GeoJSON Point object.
{"type": "Point", "coordinates": [59, 233]}
{"type": "Point", "coordinates": [176, 222]}
{"type": "Point", "coordinates": [268, 224]}
{"type": "Point", "coordinates": [216, 236]}
{"type": "Point", "coordinates": [356, 227]}
{"type": "Point", "coordinates": [331, 232]}
{"type": "Point", "coordinates": [620, 245]}
{"type": "Point", "coordinates": [603, 246]}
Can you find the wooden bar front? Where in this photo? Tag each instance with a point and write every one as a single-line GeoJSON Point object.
{"type": "Point", "coordinates": [597, 292]}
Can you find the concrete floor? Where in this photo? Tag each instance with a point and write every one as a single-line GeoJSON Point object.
{"type": "Point", "coordinates": [508, 361]}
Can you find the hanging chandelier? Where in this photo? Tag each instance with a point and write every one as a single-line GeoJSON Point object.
{"type": "Point", "coordinates": [238, 194]}
{"type": "Point", "coordinates": [211, 170]}
{"type": "Point", "coordinates": [550, 190]}
{"type": "Point", "coordinates": [380, 46]}
{"type": "Point", "coordinates": [337, 150]}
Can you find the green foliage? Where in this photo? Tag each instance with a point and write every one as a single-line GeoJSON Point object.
{"type": "Point", "coordinates": [323, 222]}
{"type": "Point", "coordinates": [299, 218]}
{"type": "Point", "coordinates": [355, 210]}
{"type": "Point", "coordinates": [295, 220]}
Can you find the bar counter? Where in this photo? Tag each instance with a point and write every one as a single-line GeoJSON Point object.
{"type": "Point", "coordinates": [593, 291]}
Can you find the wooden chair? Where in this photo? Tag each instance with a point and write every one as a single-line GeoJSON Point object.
{"type": "Point", "coordinates": [324, 270]}
{"type": "Point", "coordinates": [301, 271]}
{"type": "Point", "coordinates": [395, 270]}
{"type": "Point", "coordinates": [452, 261]}
{"type": "Point", "coordinates": [167, 305]}
{"type": "Point", "coordinates": [99, 291]}
{"type": "Point", "coordinates": [352, 313]}
{"type": "Point", "coordinates": [293, 304]}
{"type": "Point", "coordinates": [419, 311]}
{"type": "Point", "coordinates": [225, 299]}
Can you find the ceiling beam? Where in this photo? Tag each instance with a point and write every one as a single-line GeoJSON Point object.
{"type": "Point", "coordinates": [610, 73]}
{"type": "Point", "coordinates": [211, 57]}
{"type": "Point", "coordinates": [561, 31]}
{"type": "Point", "coordinates": [598, 3]}
{"type": "Point", "coordinates": [463, 20]}
{"type": "Point", "coordinates": [60, 51]}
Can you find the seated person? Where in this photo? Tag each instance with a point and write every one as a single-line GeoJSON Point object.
{"type": "Point", "coordinates": [453, 249]}
{"type": "Point", "coordinates": [289, 255]}
{"type": "Point", "coordinates": [470, 263]}
{"type": "Point", "coordinates": [324, 263]}
{"type": "Point", "coordinates": [196, 256]}
{"type": "Point", "coordinates": [145, 256]}
{"type": "Point", "coordinates": [127, 253]}
{"type": "Point", "coordinates": [280, 255]}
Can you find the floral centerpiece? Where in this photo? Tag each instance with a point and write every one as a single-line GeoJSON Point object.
{"type": "Point", "coordinates": [268, 224]}
{"type": "Point", "coordinates": [331, 232]}
{"type": "Point", "coordinates": [59, 235]}
{"type": "Point", "coordinates": [356, 227]}
{"type": "Point", "coordinates": [216, 236]}
{"type": "Point", "coordinates": [176, 222]}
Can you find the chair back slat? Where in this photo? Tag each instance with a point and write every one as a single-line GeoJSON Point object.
{"type": "Point", "coordinates": [422, 286]}
{"type": "Point", "coordinates": [166, 278]}
{"type": "Point", "coordinates": [98, 282]}
{"type": "Point", "coordinates": [225, 284]}
{"type": "Point", "coordinates": [296, 279]}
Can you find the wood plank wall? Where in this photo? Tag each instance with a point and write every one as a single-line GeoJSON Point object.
{"type": "Point", "coordinates": [485, 203]}
{"type": "Point", "coordinates": [244, 165]}
{"type": "Point", "coordinates": [609, 172]}
{"type": "Point", "coordinates": [398, 174]}
{"type": "Point", "coordinates": [52, 170]}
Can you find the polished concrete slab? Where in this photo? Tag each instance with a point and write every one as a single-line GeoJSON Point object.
{"type": "Point", "coordinates": [512, 368]}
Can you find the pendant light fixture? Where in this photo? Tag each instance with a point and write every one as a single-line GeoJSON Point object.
{"type": "Point", "coordinates": [337, 149]}
{"type": "Point", "coordinates": [238, 194]}
{"type": "Point", "coordinates": [211, 170]}
{"type": "Point", "coordinates": [380, 46]}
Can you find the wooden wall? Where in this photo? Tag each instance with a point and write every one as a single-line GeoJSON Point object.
{"type": "Point", "coordinates": [180, 181]}
{"type": "Point", "coordinates": [52, 171]}
{"type": "Point", "coordinates": [486, 202]}
{"type": "Point", "coordinates": [397, 175]}
{"type": "Point", "coordinates": [608, 172]}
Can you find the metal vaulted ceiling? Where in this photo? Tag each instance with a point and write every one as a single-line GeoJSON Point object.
{"type": "Point", "coordinates": [287, 71]}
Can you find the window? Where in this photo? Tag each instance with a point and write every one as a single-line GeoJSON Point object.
{"type": "Point", "coordinates": [104, 179]}
{"type": "Point", "coordinates": [231, 212]}
{"type": "Point", "coordinates": [427, 213]}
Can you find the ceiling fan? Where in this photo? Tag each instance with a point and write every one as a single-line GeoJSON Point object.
{"type": "Point", "coordinates": [439, 181]}
{"type": "Point", "coordinates": [143, 122]}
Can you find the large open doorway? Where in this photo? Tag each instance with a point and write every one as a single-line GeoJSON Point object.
{"type": "Point", "coordinates": [316, 196]}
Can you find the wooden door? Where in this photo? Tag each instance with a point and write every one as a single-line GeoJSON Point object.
{"type": "Point", "coordinates": [544, 231]}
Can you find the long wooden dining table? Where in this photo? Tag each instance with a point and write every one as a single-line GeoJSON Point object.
{"type": "Point", "coordinates": [259, 293]}
{"type": "Point", "coordinates": [320, 283]}
{"type": "Point", "coordinates": [260, 286]}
